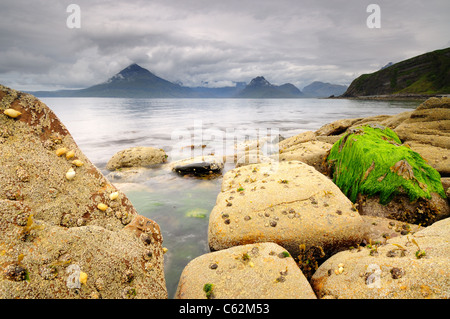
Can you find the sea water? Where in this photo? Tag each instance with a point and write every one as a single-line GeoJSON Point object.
{"type": "Point", "coordinates": [181, 206]}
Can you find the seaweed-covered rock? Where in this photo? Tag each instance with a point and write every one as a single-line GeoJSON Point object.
{"type": "Point", "coordinates": [138, 156]}
{"type": "Point", "coordinates": [288, 203]}
{"type": "Point", "coordinates": [405, 267]}
{"type": "Point", "coordinates": [371, 161]}
{"type": "Point", "coordinates": [255, 271]}
{"type": "Point", "coordinates": [65, 231]}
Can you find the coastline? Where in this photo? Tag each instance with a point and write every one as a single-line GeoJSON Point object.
{"type": "Point", "coordinates": [393, 97]}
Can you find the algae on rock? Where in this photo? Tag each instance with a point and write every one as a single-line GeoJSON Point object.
{"type": "Point", "coordinates": [371, 160]}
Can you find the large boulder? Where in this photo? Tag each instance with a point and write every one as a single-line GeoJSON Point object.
{"type": "Point", "coordinates": [255, 271]}
{"type": "Point", "coordinates": [65, 231]}
{"type": "Point", "coordinates": [405, 267]}
{"type": "Point", "coordinates": [427, 131]}
{"type": "Point", "coordinates": [139, 156]}
{"type": "Point", "coordinates": [288, 203]}
{"type": "Point", "coordinates": [371, 166]}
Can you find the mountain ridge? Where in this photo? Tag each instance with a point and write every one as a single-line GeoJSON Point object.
{"type": "Point", "coordinates": [428, 73]}
{"type": "Point", "coordinates": [259, 87]}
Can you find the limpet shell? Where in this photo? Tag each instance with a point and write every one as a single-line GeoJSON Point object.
{"type": "Point", "coordinates": [114, 195]}
{"type": "Point", "coordinates": [61, 151]}
{"type": "Point", "coordinates": [102, 206]}
{"type": "Point", "coordinates": [83, 277]}
{"type": "Point", "coordinates": [70, 154]}
{"type": "Point", "coordinates": [12, 113]}
{"type": "Point", "coordinates": [77, 163]}
{"type": "Point", "coordinates": [70, 174]}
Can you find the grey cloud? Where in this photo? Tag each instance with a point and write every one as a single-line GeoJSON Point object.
{"type": "Point", "coordinates": [212, 41]}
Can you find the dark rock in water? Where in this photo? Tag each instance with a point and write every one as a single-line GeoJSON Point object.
{"type": "Point", "coordinates": [199, 166]}
{"type": "Point", "coordinates": [198, 169]}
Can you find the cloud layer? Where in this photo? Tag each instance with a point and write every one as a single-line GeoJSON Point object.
{"type": "Point", "coordinates": [217, 42]}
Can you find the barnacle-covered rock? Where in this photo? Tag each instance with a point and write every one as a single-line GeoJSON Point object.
{"type": "Point", "coordinates": [413, 266]}
{"type": "Point", "coordinates": [255, 271]}
{"type": "Point", "coordinates": [288, 203]}
{"type": "Point", "coordinates": [48, 223]}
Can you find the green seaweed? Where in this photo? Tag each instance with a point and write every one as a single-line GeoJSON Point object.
{"type": "Point", "coordinates": [208, 289]}
{"type": "Point", "coordinates": [371, 160]}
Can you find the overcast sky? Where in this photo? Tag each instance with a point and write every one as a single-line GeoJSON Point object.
{"type": "Point", "coordinates": [212, 41]}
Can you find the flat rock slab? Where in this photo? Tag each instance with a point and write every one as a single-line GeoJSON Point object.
{"type": "Point", "coordinates": [256, 271]}
{"type": "Point", "coordinates": [405, 267]}
{"type": "Point", "coordinates": [288, 203]}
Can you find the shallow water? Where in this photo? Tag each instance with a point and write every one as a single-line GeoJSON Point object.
{"type": "Point", "coordinates": [181, 206]}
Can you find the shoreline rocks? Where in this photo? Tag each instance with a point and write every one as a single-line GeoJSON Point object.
{"type": "Point", "coordinates": [65, 229]}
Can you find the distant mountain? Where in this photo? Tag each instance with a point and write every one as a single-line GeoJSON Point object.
{"type": "Point", "coordinates": [219, 92]}
{"type": "Point", "coordinates": [428, 73]}
{"type": "Point", "coordinates": [134, 82]}
{"type": "Point", "coordinates": [259, 87]}
{"type": "Point", "coordinates": [321, 89]}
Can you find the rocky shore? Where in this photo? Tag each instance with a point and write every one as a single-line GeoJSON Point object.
{"type": "Point", "coordinates": [281, 227]}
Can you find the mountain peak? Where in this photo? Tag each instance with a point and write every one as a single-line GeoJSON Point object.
{"type": "Point", "coordinates": [131, 72]}
{"type": "Point", "coordinates": [259, 81]}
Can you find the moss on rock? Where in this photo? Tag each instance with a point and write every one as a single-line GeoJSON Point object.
{"type": "Point", "coordinates": [371, 160]}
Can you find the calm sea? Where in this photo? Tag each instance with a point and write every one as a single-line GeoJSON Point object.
{"type": "Point", "coordinates": [103, 126]}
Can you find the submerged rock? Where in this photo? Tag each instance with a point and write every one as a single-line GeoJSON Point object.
{"type": "Point", "coordinates": [288, 203]}
{"type": "Point", "coordinates": [256, 271]}
{"type": "Point", "coordinates": [405, 267]}
{"type": "Point", "coordinates": [56, 240]}
{"type": "Point", "coordinates": [200, 166]}
{"type": "Point", "coordinates": [139, 156]}
{"type": "Point", "coordinates": [370, 161]}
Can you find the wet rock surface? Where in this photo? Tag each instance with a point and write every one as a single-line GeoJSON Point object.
{"type": "Point", "coordinates": [58, 211]}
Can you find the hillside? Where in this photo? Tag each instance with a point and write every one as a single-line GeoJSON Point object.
{"type": "Point", "coordinates": [260, 88]}
{"type": "Point", "coordinates": [426, 74]}
{"type": "Point", "coordinates": [321, 89]}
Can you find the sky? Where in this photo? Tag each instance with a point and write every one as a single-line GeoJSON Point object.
{"type": "Point", "coordinates": [212, 43]}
